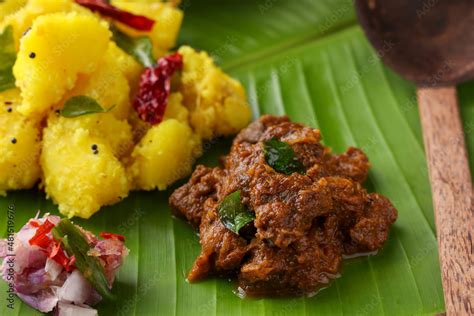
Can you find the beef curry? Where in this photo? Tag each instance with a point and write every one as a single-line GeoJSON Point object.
{"type": "Point", "coordinates": [303, 219]}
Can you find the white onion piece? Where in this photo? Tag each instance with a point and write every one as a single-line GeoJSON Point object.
{"type": "Point", "coordinates": [65, 309]}
{"type": "Point", "coordinates": [76, 289]}
{"type": "Point", "coordinates": [54, 219]}
{"type": "Point", "coordinates": [25, 234]}
{"type": "Point", "coordinates": [53, 268]}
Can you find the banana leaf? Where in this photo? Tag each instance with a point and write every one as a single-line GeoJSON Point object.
{"type": "Point", "coordinates": [309, 60]}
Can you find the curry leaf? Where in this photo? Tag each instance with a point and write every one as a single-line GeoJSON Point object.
{"type": "Point", "coordinates": [7, 59]}
{"type": "Point", "coordinates": [233, 214]}
{"type": "Point", "coordinates": [75, 244]}
{"type": "Point", "coordinates": [281, 157]}
{"type": "Point", "coordinates": [82, 105]}
{"type": "Point", "coordinates": [140, 48]}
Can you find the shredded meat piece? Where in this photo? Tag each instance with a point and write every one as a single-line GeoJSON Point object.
{"type": "Point", "coordinates": [302, 268]}
{"type": "Point", "coordinates": [222, 250]}
{"type": "Point", "coordinates": [304, 223]}
{"type": "Point", "coordinates": [189, 199]}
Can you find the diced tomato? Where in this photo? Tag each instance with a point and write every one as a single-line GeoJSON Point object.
{"type": "Point", "coordinates": [106, 235]}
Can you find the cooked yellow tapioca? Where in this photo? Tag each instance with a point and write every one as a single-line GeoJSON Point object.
{"type": "Point", "coordinates": [9, 7]}
{"type": "Point", "coordinates": [164, 155]}
{"type": "Point", "coordinates": [217, 103]}
{"type": "Point", "coordinates": [81, 162]}
{"type": "Point", "coordinates": [108, 85]}
{"type": "Point", "coordinates": [80, 77]}
{"type": "Point", "coordinates": [167, 23]}
{"type": "Point", "coordinates": [167, 151]}
{"type": "Point", "coordinates": [57, 49]}
{"type": "Point", "coordinates": [20, 145]}
{"type": "Point", "coordinates": [22, 17]}
{"type": "Point", "coordinates": [127, 64]}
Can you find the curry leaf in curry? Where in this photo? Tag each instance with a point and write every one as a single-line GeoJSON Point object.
{"type": "Point", "coordinates": [82, 105]}
{"type": "Point", "coordinates": [281, 157]}
{"type": "Point", "coordinates": [139, 48]}
{"type": "Point", "coordinates": [75, 244]}
{"type": "Point", "coordinates": [233, 214]}
{"type": "Point", "coordinates": [7, 59]}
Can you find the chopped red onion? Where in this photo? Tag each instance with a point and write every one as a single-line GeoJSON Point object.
{"type": "Point", "coordinates": [43, 283]}
{"type": "Point", "coordinates": [76, 289]}
{"type": "Point", "coordinates": [53, 269]}
{"type": "Point", "coordinates": [65, 309]}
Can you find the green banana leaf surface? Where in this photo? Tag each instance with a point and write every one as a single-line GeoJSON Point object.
{"type": "Point", "coordinates": [310, 60]}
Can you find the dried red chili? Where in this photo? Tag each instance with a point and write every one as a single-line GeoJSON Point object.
{"type": "Point", "coordinates": [40, 239]}
{"type": "Point", "coordinates": [106, 235]}
{"type": "Point", "coordinates": [155, 85]}
{"type": "Point", "coordinates": [138, 22]}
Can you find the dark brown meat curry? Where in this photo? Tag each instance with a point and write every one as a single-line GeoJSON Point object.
{"type": "Point", "coordinates": [305, 221]}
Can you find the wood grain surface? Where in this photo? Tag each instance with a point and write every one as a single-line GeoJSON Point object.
{"type": "Point", "coordinates": [452, 195]}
